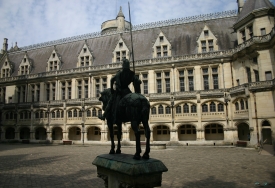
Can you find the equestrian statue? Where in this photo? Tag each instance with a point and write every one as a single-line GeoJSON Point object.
{"type": "Point", "coordinates": [121, 105]}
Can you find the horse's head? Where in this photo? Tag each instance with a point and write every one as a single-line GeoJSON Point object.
{"type": "Point", "coordinates": [105, 97]}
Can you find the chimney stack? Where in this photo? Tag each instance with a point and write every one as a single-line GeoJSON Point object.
{"type": "Point", "coordinates": [240, 5]}
{"type": "Point", "coordinates": [5, 45]}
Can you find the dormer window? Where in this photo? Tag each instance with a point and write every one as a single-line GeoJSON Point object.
{"type": "Point", "coordinates": [121, 51]}
{"type": "Point", "coordinates": [162, 47]}
{"type": "Point", "coordinates": [85, 57]}
{"type": "Point", "coordinates": [207, 41]}
{"type": "Point", "coordinates": [6, 63]}
{"type": "Point", "coordinates": [25, 60]}
{"type": "Point", "coordinates": [54, 62]}
{"type": "Point", "coordinates": [243, 35]}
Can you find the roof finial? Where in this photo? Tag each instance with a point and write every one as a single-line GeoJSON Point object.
{"type": "Point", "coordinates": [120, 13]}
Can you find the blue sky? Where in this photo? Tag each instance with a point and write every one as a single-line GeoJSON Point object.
{"type": "Point", "coordinates": [34, 21]}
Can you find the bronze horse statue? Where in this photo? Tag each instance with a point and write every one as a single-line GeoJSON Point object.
{"type": "Point", "coordinates": [134, 108]}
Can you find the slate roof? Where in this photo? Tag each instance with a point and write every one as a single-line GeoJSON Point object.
{"type": "Point", "coordinates": [252, 5]}
{"type": "Point", "coordinates": [183, 38]}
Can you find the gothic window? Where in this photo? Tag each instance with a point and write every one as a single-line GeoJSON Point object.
{"type": "Point", "coordinates": [154, 110]}
{"type": "Point", "coordinates": [99, 112]}
{"type": "Point", "coordinates": [220, 107]}
{"type": "Point", "coordinates": [212, 107]}
{"type": "Point", "coordinates": [160, 109]}
{"type": "Point", "coordinates": [185, 108]}
{"type": "Point", "coordinates": [88, 113]}
{"type": "Point", "coordinates": [178, 109]}
{"type": "Point", "coordinates": [242, 104]}
{"type": "Point", "coordinates": [53, 114]}
{"type": "Point", "coordinates": [100, 84]}
{"type": "Point", "coordinates": [79, 113]}
{"type": "Point", "coordinates": [75, 113]}
{"type": "Point", "coordinates": [94, 112]}
{"type": "Point", "coordinates": [193, 109]}
{"type": "Point", "coordinates": [58, 114]}
{"type": "Point", "coordinates": [167, 110]}
{"type": "Point", "coordinates": [204, 108]}
{"type": "Point", "coordinates": [70, 114]}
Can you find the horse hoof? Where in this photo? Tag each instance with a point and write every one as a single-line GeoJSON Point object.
{"type": "Point", "coordinates": [136, 157]}
{"type": "Point", "coordinates": [118, 151]}
{"type": "Point", "coordinates": [145, 156]}
{"type": "Point", "coordinates": [112, 151]}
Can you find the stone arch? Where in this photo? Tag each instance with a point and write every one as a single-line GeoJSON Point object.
{"type": "Point", "coordinates": [74, 132]}
{"type": "Point", "coordinates": [243, 131]}
{"type": "Point", "coordinates": [24, 133]}
{"type": "Point", "coordinates": [40, 133]}
{"type": "Point", "coordinates": [93, 133]}
{"type": "Point", "coordinates": [215, 101]}
{"type": "Point", "coordinates": [214, 131]}
{"type": "Point", "coordinates": [266, 132]}
{"type": "Point", "coordinates": [183, 102]}
{"type": "Point", "coordinates": [161, 132]}
{"type": "Point", "coordinates": [10, 133]}
{"type": "Point", "coordinates": [57, 133]}
{"type": "Point", "coordinates": [187, 132]}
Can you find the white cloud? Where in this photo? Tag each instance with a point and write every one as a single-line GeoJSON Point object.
{"type": "Point", "coordinates": [31, 21]}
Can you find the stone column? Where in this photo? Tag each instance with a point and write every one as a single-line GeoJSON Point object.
{"type": "Point", "coordinates": [126, 135]}
{"type": "Point", "coordinates": [16, 135]}
{"type": "Point", "coordinates": [65, 135]}
{"type": "Point", "coordinates": [174, 135]}
{"type": "Point", "coordinates": [152, 136]}
{"type": "Point", "coordinates": [104, 134]}
{"type": "Point", "coordinates": [32, 135]}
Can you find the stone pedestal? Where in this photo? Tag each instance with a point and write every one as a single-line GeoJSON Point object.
{"type": "Point", "coordinates": [121, 170]}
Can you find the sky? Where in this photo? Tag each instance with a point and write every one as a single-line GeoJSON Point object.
{"type": "Point", "coordinates": [30, 22]}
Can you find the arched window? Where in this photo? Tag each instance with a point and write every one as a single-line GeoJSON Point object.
{"type": "Point", "coordinates": [246, 104]}
{"type": "Point", "coordinates": [88, 113]}
{"type": "Point", "coordinates": [94, 112]}
{"type": "Point", "coordinates": [204, 108]}
{"type": "Point", "coordinates": [7, 115]}
{"type": "Point", "coordinates": [212, 107]}
{"type": "Point", "coordinates": [242, 104]}
{"type": "Point", "coordinates": [178, 109]}
{"type": "Point", "coordinates": [21, 115]}
{"type": "Point", "coordinates": [220, 107]}
{"type": "Point", "coordinates": [79, 113]}
{"type": "Point", "coordinates": [62, 114]}
{"type": "Point", "coordinates": [75, 113]}
{"type": "Point", "coordinates": [160, 109]}
{"type": "Point", "coordinates": [41, 114]}
{"type": "Point", "coordinates": [167, 110]}
{"type": "Point", "coordinates": [185, 108]}
{"type": "Point", "coordinates": [236, 106]}
{"type": "Point", "coordinates": [265, 124]}
{"type": "Point", "coordinates": [36, 115]}
{"type": "Point", "coordinates": [58, 114]}
{"type": "Point", "coordinates": [193, 109]}
{"type": "Point", "coordinates": [70, 114]}
{"type": "Point", "coordinates": [99, 112]}
{"type": "Point", "coordinates": [154, 110]}
{"type": "Point", "coordinates": [53, 114]}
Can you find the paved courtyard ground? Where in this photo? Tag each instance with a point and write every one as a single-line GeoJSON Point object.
{"type": "Point", "coordinates": [34, 165]}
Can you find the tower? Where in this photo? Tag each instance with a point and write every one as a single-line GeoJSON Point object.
{"type": "Point", "coordinates": [120, 20]}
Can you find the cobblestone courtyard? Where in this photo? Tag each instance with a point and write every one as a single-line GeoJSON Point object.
{"type": "Point", "coordinates": [71, 166]}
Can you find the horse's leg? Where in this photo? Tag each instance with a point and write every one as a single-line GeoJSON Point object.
{"type": "Point", "coordinates": [134, 125]}
{"type": "Point", "coordinates": [111, 130]}
{"type": "Point", "coordinates": [119, 133]}
{"type": "Point", "coordinates": [147, 135]}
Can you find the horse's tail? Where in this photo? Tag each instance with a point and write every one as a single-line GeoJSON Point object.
{"type": "Point", "coordinates": [145, 109]}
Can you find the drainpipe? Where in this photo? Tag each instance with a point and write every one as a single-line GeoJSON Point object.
{"type": "Point", "coordinates": [256, 117]}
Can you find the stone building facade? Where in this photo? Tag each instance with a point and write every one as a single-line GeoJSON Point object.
{"type": "Point", "coordinates": [209, 80]}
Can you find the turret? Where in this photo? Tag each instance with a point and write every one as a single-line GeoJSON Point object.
{"type": "Point", "coordinates": [120, 20]}
{"type": "Point", "coordinates": [240, 5]}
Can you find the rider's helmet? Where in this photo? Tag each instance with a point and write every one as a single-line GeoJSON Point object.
{"type": "Point", "coordinates": [125, 64]}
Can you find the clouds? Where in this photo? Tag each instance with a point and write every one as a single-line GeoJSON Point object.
{"type": "Point", "coordinates": [31, 21]}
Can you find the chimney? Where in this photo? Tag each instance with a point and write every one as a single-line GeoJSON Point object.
{"type": "Point", "coordinates": [240, 5]}
{"type": "Point", "coordinates": [5, 45]}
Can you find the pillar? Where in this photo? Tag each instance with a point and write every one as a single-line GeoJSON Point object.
{"type": "Point", "coordinates": [174, 135]}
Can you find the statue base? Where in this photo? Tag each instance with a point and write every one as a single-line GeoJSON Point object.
{"type": "Point", "coordinates": [121, 170]}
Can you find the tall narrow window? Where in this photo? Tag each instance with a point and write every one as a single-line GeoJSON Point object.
{"type": "Point", "coordinates": [159, 89]}
{"type": "Point", "coordinates": [215, 78]}
{"type": "Point", "coordinates": [242, 104]}
{"type": "Point", "coordinates": [69, 88]}
{"type": "Point", "coordinates": [160, 109]}
{"type": "Point", "coordinates": [178, 109]}
{"type": "Point", "coordinates": [191, 83]}
{"type": "Point", "coordinates": [257, 78]}
{"type": "Point", "coordinates": [193, 109]}
{"type": "Point", "coordinates": [204, 108]}
{"type": "Point", "coordinates": [212, 107]}
{"type": "Point", "coordinates": [248, 74]}
{"type": "Point", "coordinates": [53, 91]}
{"type": "Point", "coordinates": [206, 82]}
{"type": "Point", "coordinates": [220, 107]}
{"type": "Point", "coordinates": [153, 110]}
{"type": "Point", "coordinates": [185, 108]}
{"type": "Point", "coordinates": [167, 110]}
{"type": "Point", "coordinates": [79, 88]}
{"type": "Point", "coordinates": [86, 92]}
{"type": "Point", "coordinates": [145, 86]}
{"type": "Point", "coordinates": [236, 106]}
{"type": "Point", "coordinates": [181, 79]}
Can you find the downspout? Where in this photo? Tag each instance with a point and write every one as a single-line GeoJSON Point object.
{"type": "Point", "coordinates": [256, 117]}
{"type": "Point", "coordinates": [232, 73]}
